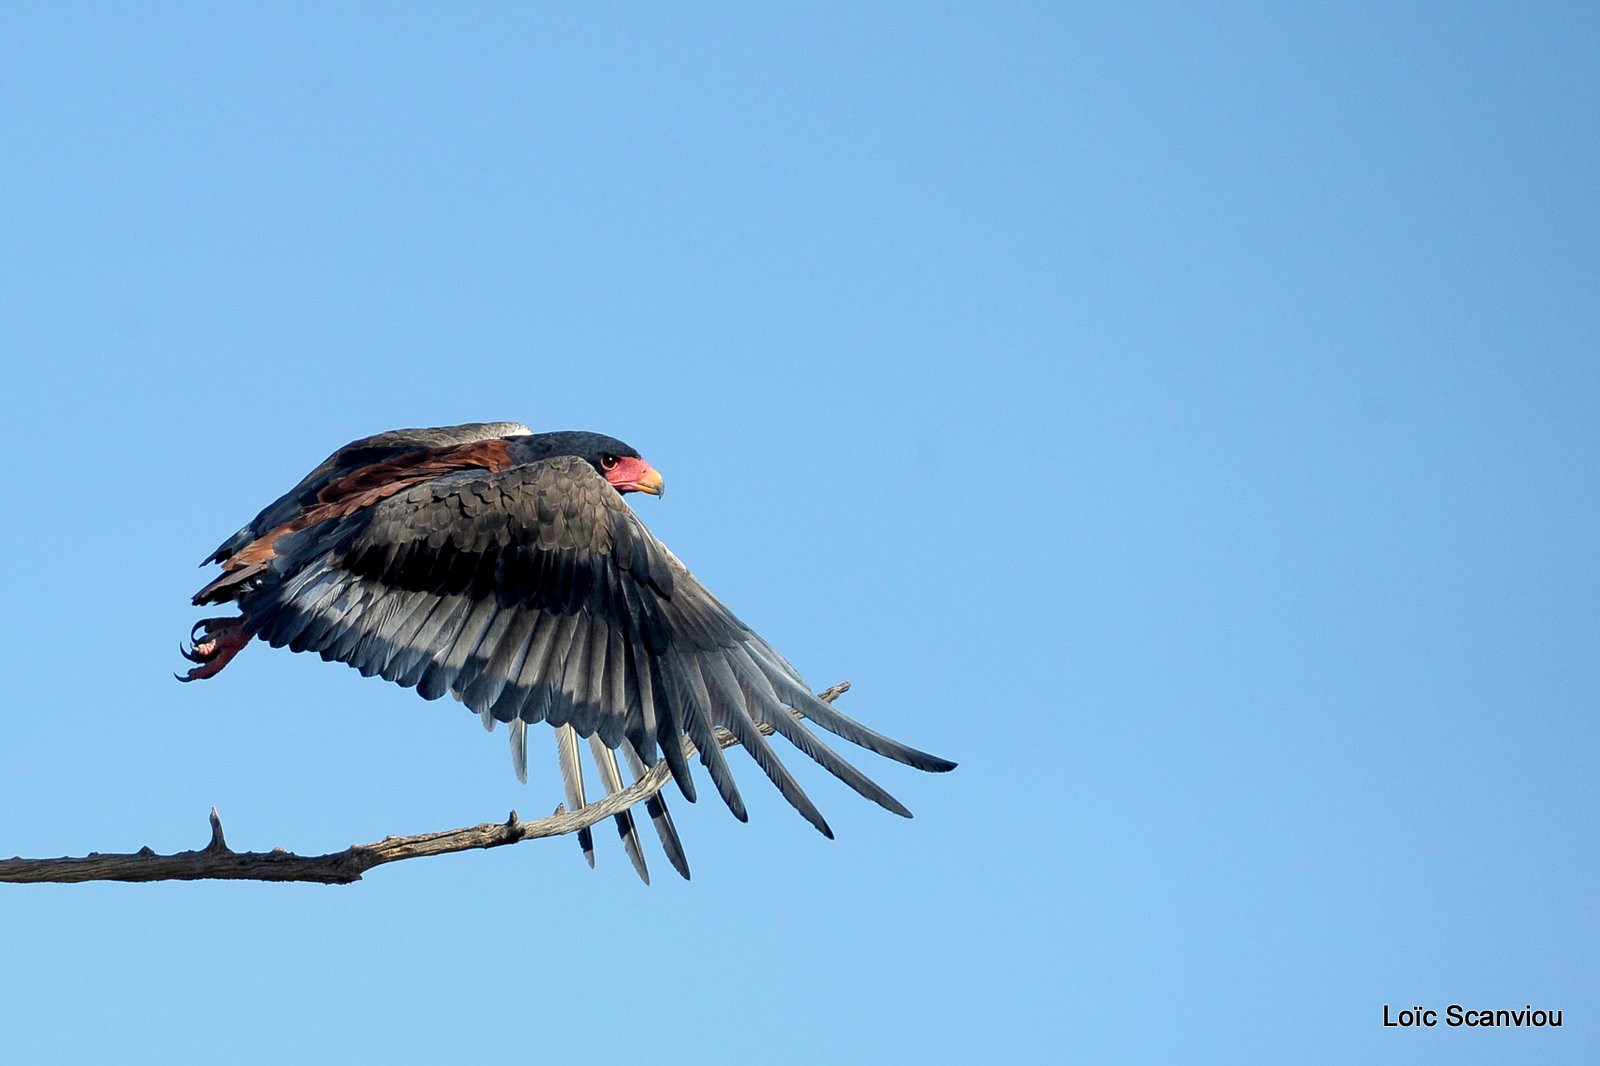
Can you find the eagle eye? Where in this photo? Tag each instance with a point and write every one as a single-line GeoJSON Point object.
{"type": "Point", "coordinates": [607, 461]}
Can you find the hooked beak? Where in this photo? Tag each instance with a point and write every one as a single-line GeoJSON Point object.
{"type": "Point", "coordinates": [649, 481]}
{"type": "Point", "coordinates": [635, 475]}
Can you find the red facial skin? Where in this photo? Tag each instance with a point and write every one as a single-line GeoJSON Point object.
{"type": "Point", "coordinates": [634, 475]}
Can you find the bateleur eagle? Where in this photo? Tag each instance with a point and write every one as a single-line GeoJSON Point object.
{"type": "Point", "coordinates": [502, 567]}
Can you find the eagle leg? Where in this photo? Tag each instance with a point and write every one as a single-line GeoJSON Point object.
{"type": "Point", "coordinates": [213, 642]}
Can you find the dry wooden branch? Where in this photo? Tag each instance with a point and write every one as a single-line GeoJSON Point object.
{"type": "Point", "coordinates": [216, 861]}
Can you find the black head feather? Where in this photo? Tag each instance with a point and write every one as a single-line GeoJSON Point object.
{"type": "Point", "coordinates": [590, 447]}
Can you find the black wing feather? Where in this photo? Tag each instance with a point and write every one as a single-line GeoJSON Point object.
{"type": "Point", "coordinates": [378, 448]}
{"type": "Point", "coordinates": [536, 594]}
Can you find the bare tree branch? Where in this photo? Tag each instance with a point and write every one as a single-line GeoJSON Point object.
{"type": "Point", "coordinates": [219, 862]}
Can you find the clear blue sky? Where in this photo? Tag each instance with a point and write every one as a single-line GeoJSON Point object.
{"type": "Point", "coordinates": [1184, 417]}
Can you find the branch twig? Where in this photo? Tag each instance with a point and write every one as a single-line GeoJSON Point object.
{"type": "Point", "coordinates": [217, 861]}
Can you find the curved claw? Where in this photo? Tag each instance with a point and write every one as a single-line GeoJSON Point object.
{"type": "Point", "coordinates": [212, 628]}
{"type": "Point", "coordinates": [202, 652]}
{"type": "Point", "coordinates": [213, 642]}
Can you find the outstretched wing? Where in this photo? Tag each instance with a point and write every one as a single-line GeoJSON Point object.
{"type": "Point", "coordinates": [368, 451]}
{"type": "Point", "coordinates": [535, 594]}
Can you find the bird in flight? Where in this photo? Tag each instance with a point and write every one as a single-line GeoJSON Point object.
{"type": "Point", "coordinates": [502, 567]}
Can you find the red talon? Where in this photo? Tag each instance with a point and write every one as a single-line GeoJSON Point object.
{"type": "Point", "coordinates": [214, 643]}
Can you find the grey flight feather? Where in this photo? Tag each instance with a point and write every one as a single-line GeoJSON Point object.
{"type": "Point", "coordinates": [534, 593]}
{"type": "Point", "coordinates": [572, 781]}
{"type": "Point", "coordinates": [605, 760]}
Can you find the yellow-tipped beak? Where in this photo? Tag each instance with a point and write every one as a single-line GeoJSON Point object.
{"type": "Point", "coordinates": [650, 481]}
